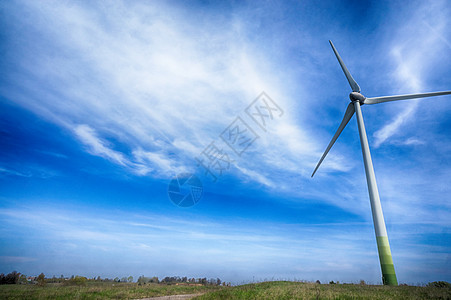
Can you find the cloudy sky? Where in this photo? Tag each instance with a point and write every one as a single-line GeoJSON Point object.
{"type": "Point", "coordinates": [102, 104]}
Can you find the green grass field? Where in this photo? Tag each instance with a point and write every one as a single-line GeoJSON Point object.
{"type": "Point", "coordinates": [94, 290]}
{"type": "Point", "coordinates": [297, 290]}
{"type": "Point", "coordinates": [264, 290]}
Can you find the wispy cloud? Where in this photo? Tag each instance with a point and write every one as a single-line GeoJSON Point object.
{"type": "Point", "coordinates": [29, 171]}
{"type": "Point", "coordinates": [96, 146]}
{"type": "Point", "coordinates": [393, 127]}
{"type": "Point", "coordinates": [163, 85]}
{"type": "Point", "coordinates": [16, 259]}
{"type": "Point", "coordinates": [413, 141]}
{"type": "Point", "coordinates": [13, 172]}
{"type": "Point", "coordinates": [414, 49]}
{"type": "Point", "coordinates": [301, 249]}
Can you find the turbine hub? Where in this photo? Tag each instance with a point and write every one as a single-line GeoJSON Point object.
{"type": "Point", "coordinates": [354, 96]}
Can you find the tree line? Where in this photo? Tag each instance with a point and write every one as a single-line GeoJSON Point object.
{"type": "Point", "coordinates": [18, 278]}
{"type": "Point", "coordinates": [180, 280]}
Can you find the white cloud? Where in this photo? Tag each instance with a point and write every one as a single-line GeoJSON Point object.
{"type": "Point", "coordinates": [255, 176]}
{"type": "Point", "coordinates": [205, 247]}
{"type": "Point", "coordinates": [13, 172]}
{"type": "Point", "coordinates": [96, 146]}
{"type": "Point", "coordinates": [156, 80]}
{"type": "Point", "coordinates": [413, 141]}
{"type": "Point", "coordinates": [158, 161]}
{"type": "Point", "coordinates": [414, 49]}
{"type": "Point", "coordinates": [149, 90]}
{"type": "Point", "coordinates": [36, 171]}
{"type": "Point", "coordinates": [393, 127]}
{"type": "Point", "coordinates": [140, 162]}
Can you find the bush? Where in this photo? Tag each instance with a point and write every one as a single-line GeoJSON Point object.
{"type": "Point", "coordinates": [77, 280]}
{"type": "Point", "coordinates": [41, 279]}
{"type": "Point", "coordinates": [439, 284]}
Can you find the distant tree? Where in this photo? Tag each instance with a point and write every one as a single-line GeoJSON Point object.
{"type": "Point", "coordinates": [143, 280]}
{"type": "Point", "coordinates": [41, 279]}
{"type": "Point", "coordinates": [130, 279]}
{"type": "Point", "coordinates": [98, 278]}
{"type": "Point", "coordinates": [439, 284]}
{"type": "Point", "coordinates": [362, 282]}
{"type": "Point", "coordinates": [123, 279]}
{"type": "Point", "coordinates": [11, 278]}
{"type": "Point", "coordinates": [154, 280]}
{"type": "Point", "coordinates": [318, 282]}
{"type": "Point", "coordinates": [80, 280]}
{"type": "Point", "coordinates": [218, 281]}
{"type": "Point", "coordinates": [171, 280]}
{"type": "Point", "coordinates": [332, 282]}
{"type": "Point", "coordinates": [23, 279]}
{"type": "Point", "coordinates": [116, 279]}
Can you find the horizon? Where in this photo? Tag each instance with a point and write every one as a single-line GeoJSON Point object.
{"type": "Point", "coordinates": [104, 105]}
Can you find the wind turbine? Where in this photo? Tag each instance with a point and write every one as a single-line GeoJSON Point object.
{"type": "Point", "coordinates": [357, 100]}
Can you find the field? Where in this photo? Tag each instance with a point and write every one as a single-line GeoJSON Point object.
{"type": "Point", "coordinates": [297, 290]}
{"type": "Point", "coordinates": [94, 290]}
{"type": "Point", "coordinates": [264, 290]}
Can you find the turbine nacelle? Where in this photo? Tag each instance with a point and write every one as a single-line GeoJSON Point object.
{"type": "Point", "coordinates": [354, 96]}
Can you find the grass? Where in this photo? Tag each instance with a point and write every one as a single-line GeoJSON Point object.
{"type": "Point", "coordinates": [265, 290]}
{"type": "Point", "coordinates": [297, 290]}
{"type": "Point", "coordinates": [94, 290]}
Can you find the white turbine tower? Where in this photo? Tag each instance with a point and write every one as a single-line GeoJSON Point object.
{"type": "Point", "coordinates": [357, 100]}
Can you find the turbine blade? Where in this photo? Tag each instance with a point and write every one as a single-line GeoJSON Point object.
{"type": "Point", "coordinates": [348, 115]}
{"type": "Point", "coordinates": [376, 100]}
{"type": "Point", "coordinates": [355, 87]}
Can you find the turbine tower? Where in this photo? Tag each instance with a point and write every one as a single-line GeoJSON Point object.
{"type": "Point", "coordinates": [357, 100]}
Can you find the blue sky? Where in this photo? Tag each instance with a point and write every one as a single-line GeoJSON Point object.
{"type": "Point", "coordinates": [103, 104]}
